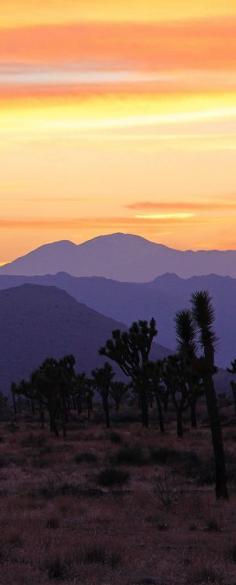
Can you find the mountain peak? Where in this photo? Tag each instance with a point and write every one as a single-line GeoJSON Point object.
{"type": "Point", "coordinates": [121, 256]}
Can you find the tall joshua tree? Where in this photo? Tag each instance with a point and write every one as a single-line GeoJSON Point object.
{"type": "Point", "coordinates": [186, 340]}
{"type": "Point", "coordinates": [131, 350]}
{"type": "Point", "coordinates": [203, 316]}
{"type": "Point", "coordinates": [102, 382]}
{"type": "Point", "coordinates": [232, 370]}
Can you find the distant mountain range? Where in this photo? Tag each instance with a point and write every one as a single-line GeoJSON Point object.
{"type": "Point", "coordinates": [37, 322]}
{"type": "Point", "coordinates": [161, 298]}
{"type": "Point", "coordinates": [121, 257]}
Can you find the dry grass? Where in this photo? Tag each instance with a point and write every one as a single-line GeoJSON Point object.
{"type": "Point", "coordinates": [60, 525]}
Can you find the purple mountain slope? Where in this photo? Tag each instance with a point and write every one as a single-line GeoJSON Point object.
{"type": "Point", "coordinates": [161, 298]}
{"type": "Point", "coordinates": [121, 257]}
{"type": "Point", "coordinates": [39, 322]}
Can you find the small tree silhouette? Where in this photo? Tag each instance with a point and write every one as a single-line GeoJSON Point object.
{"type": "Point", "coordinates": [130, 350]}
{"type": "Point", "coordinates": [118, 391]}
{"type": "Point", "coordinates": [102, 382]}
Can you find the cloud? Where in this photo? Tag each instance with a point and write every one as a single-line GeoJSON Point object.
{"type": "Point", "coordinates": [185, 206]}
{"type": "Point", "coordinates": [88, 222]}
{"type": "Point", "coordinates": [202, 44]}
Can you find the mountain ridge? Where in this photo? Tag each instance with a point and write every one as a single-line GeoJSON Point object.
{"type": "Point", "coordinates": [121, 257]}
{"type": "Point", "coordinates": [38, 322]}
{"type": "Point", "coordinates": [161, 298]}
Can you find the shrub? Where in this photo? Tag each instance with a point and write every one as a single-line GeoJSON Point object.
{"type": "Point", "coordinates": [165, 490]}
{"type": "Point", "coordinates": [213, 526]}
{"type": "Point", "coordinates": [53, 523]}
{"type": "Point", "coordinates": [115, 438]}
{"type": "Point", "coordinates": [206, 575]}
{"type": "Point", "coordinates": [111, 476]}
{"type": "Point", "coordinates": [57, 569]}
{"type": "Point", "coordinates": [35, 441]}
{"type": "Point", "coordinates": [86, 457]}
{"type": "Point", "coordinates": [96, 554]}
{"type": "Point", "coordinates": [169, 456]}
{"type": "Point", "coordinates": [130, 456]}
{"type": "Point", "coordinates": [231, 554]}
{"type": "Point", "coordinates": [99, 555]}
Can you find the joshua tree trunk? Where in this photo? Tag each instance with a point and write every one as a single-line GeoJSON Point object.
{"type": "Point", "coordinates": [42, 418]}
{"type": "Point", "coordinates": [217, 439]}
{"type": "Point", "coordinates": [106, 411]}
{"type": "Point", "coordinates": [89, 406]}
{"type": "Point", "coordinates": [144, 405]}
{"type": "Point", "coordinates": [14, 403]}
{"type": "Point", "coordinates": [233, 386]}
{"type": "Point", "coordinates": [160, 413]}
{"type": "Point", "coordinates": [53, 426]}
{"type": "Point", "coordinates": [193, 413]}
{"type": "Point", "coordinates": [180, 423]}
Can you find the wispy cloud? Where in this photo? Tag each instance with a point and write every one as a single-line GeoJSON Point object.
{"type": "Point", "coordinates": [192, 206]}
{"type": "Point", "coordinates": [85, 222]}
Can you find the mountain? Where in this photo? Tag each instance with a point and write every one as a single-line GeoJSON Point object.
{"type": "Point", "coordinates": [121, 257]}
{"type": "Point", "coordinates": [37, 322]}
{"type": "Point", "coordinates": [161, 298]}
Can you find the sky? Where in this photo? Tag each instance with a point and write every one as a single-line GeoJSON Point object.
{"type": "Point", "coordinates": [117, 117]}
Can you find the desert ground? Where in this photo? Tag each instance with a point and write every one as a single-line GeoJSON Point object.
{"type": "Point", "coordinates": [119, 506]}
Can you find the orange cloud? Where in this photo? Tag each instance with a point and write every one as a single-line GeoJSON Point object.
{"type": "Point", "coordinates": [182, 205]}
{"type": "Point", "coordinates": [196, 44]}
{"type": "Point", "coordinates": [88, 222]}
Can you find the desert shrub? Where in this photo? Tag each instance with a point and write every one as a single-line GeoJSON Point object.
{"type": "Point", "coordinates": [4, 461]}
{"type": "Point", "coordinates": [166, 490]}
{"type": "Point", "coordinates": [34, 441]}
{"type": "Point", "coordinates": [231, 554]}
{"type": "Point", "coordinates": [57, 569]}
{"type": "Point", "coordinates": [115, 438]}
{"type": "Point", "coordinates": [52, 523]}
{"type": "Point", "coordinates": [205, 576]}
{"type": "Point", "coordinates": [95, 555]}
{"type": "Point", "coordinates": [202, 472]}
{"type": "Point", "coordinates": [188, 463]}
{"type": "Point", "coordinates": [115, 559]}
{"type": "Point", "coordinates": [130, 456]}
{"type": "Point", "coordinates": [99, 555]}
{"type": "Point", "coordinates": [12, 427]}
{"type": "Point", "coordinates": [212, 525]}
{"type": "Point", "coordinates": [39, 462]}
{"type": "Point", "coordinates": [112, 476]}
{"type": "Point", "coordinates": [170, 456]}
{"type": "Point", "coordinates": [86, 457]}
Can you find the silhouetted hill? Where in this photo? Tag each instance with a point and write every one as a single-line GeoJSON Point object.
{"type": "Point", "coordinates": [161, 298]}
{"type": "Point", "coordinates": [37, 322]}
{"type": "Point", "coordinates": [121, 257]}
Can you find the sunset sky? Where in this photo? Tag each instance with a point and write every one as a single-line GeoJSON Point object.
{"type": "Point", "coordinates": [117, 116]}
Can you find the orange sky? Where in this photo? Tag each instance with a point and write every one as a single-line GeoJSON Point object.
{"type": "Point", "coordinates": [117, 117]}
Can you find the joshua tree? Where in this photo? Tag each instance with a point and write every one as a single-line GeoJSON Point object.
{"type": "Point", "coordinates": [186, 340]}
{"type": "Point", "coordinates": [153, 374]}
{"type": "Point", "coordinates": [49, 386]}
{"type": "Point", "coordinates": [232, 370]}
{"type": "Point", "coordinates": [82, 393]}
{"type": "Point", "coordinates": [130, 350]}
{"type": "Point", "coordinates": [203, 316]}
{"type": "Point", "coordinates": [118, 392]}
{"type": "Point", "coordinates": [175, 380]}
{"type": "Point", "coordinates": [102, 382]}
